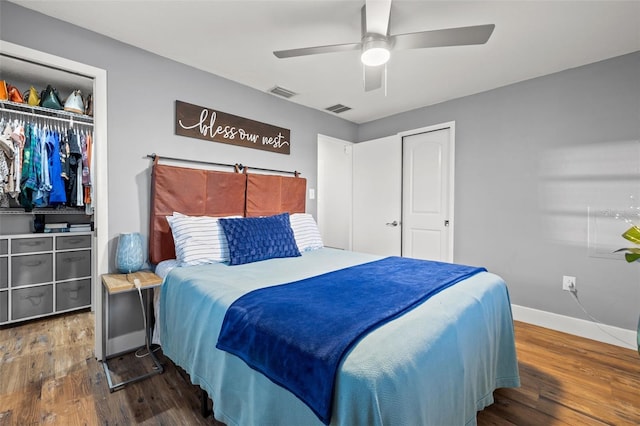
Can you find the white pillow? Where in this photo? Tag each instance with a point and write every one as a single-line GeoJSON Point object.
{"type": "Point", "coordinates": [202, 250]}
{"type": "Point", "coordinates": [305, 231]}
{"type": "Point", "coordinates": [198, 239]}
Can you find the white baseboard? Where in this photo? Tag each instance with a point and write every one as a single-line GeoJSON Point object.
{"type": "Point", "coordinates": [578, 327]}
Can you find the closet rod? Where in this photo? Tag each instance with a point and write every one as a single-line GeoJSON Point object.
{"type": "Point", "coordinates": [239, 166]}
{"type": "Point", "coordinates": [68, 119]}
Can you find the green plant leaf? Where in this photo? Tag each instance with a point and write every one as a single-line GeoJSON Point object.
{"type": "Point", "coordinates": [631, 257]}
{"type": "Point", "coordinates": [632, 234]}
{"type": "Point", "coordinates": [633, 253]}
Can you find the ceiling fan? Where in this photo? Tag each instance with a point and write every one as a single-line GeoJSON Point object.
{"type": "Point", "coordinates": [376, 43]}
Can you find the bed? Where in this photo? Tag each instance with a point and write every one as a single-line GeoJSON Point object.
{"type": "Point", "coordinates": [436, 364]}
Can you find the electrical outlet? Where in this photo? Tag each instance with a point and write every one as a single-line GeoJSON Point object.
{"type": "Point", "coordinates": [569, 283]}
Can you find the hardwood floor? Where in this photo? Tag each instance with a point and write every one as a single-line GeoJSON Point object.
{"type": "Point", "coordinates": [48, 375]}
{"type": "Point", "coordinates": [568, 380]}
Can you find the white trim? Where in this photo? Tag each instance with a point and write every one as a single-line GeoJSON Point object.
{"type": "Point", "coordinates": [451, 125]}
{"type": "Point", "coordinates": [577, 327]}
{"type": "Point", "coordinates": [101, 202]}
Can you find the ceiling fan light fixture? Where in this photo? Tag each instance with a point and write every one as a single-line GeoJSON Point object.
{"type": "Point", "coordinates": [375, 52]}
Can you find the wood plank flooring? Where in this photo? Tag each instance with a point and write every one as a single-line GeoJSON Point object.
{"type": "Point", "coordinates": [48, 375]}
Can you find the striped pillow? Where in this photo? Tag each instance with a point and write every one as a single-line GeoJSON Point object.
{"type": "Point", "coordinates": [201, 250]}
{"type": "Point", "coordinates": [198, 239]}
{"type": "Point", "coordinates": [306, 232]}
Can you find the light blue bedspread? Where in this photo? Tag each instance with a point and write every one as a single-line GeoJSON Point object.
{"type": "Point", "coordinates": [436, 365]}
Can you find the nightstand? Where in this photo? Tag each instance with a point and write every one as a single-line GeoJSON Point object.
{"type": "Point", "coordinates": [119, 283]}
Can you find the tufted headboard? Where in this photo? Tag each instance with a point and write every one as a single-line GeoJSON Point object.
{"type": "Point", "coordinates": [199, 192]}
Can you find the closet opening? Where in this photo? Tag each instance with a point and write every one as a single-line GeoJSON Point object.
{"type": "Point", "coordinates": [61, 221]}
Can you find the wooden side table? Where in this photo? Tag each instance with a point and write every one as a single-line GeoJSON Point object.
{"type": "Point", "coordinates": [118, 283]}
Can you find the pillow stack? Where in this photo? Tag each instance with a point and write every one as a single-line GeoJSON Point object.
{"type": "Point", "coordinates": [236, 240]}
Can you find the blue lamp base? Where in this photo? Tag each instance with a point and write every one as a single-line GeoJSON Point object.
{"type": "Point", "coordinates": [129, 256]}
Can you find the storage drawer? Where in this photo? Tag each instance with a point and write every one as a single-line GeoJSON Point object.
{"type": "Point", "coordinates": [4, 272]}
{"type": "Point", "coordinates": [4, 247]}
{"type": "Point", "coordinates": [73, 242]}
{"type": "Point", "coordinates": [73, 294]}
{"type": "Point", "coordinates": [31, 245]}
{"type": "Point", "coordinates": [31, 301]}
{"type": "Point", "coordinates": [4, 306]}
{"type": "Point", "coordinates": [73, 264]}
{"type": "Point", "coordinates": [31, 269]}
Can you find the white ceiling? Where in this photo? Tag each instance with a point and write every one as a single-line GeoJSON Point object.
{"type": "Point", "coordinates": [235, 39]}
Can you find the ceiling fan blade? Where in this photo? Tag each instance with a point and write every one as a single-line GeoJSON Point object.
{"type": "Point", "coordinates": [304, 51]}
{"type": "Point", "coordinates": [373, 77]}
{"type": "Point", "coordinates": [375, 17]}
{"type": "Point", "coordinates": [478, 34]}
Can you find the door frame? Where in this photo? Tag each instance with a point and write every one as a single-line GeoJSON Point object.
{"type": "Point", "coordinates": [100, 258]}
{"type": "Point", "coordinates": [451, 125]}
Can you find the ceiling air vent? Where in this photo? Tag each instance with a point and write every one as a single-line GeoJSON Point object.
{"type": "Point", "coordinates": [281, 91]}
{"type": "Point", "coordinates": [338, 108]}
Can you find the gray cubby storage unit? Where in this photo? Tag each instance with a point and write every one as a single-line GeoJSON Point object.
{"type": "Point", "coordinates": [44, 274]}
{"type": "Point", "coordinates": [4, 280]}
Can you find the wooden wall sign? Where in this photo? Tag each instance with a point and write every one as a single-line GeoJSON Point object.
{"type": "Point", "coordinates": [211, 125]}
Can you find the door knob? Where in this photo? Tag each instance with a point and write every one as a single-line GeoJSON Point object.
{"type": "Point", "coordinates": [394, 223]}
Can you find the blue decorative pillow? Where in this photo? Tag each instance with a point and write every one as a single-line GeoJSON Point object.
{"type": "Point", "coordinates": [252, 239]}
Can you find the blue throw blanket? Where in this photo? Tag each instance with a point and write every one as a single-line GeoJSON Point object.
{"type": "Point", "coordinates": [297, 334]}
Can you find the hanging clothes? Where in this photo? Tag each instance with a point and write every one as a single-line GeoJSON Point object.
{"type": "Point", "coordinates": [41, 195]}
{"type": "Point", "coordinates": [44, 163]}
{"type": "Point", "coordinates": [73, 160]}
{"type": "Point", "coordinates": [57, 196]}
{"type": "Point", "coordinates": [64, 158]}
{"type": "Point", "coordinates": [79, 190]}
{"type": "Point", "coordinates": [27, 181]}
{"type": "Point", "coordinates": [6, 158]}
{"type": "Point", "coordinates": [87, 172]}
{"type": "Point", "coordinates": [34, 181]}
{"type": "Point", "coordinates": [17, 136]}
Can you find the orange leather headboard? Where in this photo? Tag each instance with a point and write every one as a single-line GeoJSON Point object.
{"type": "Point", "coordinates": [270, 194]}
{"type": "Point", "coordinates": [197, 192]}
{"type": "Point", "coordinates": [193, 192]}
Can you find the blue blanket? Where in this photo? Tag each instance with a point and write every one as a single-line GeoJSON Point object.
{"type": "Point", "coordinates": [297, 334]}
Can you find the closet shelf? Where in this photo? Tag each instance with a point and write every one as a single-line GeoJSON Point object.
{"type": "Point", "coordinates": [47, 211]}
{"type": "Point", "coordinates": [46, 113]}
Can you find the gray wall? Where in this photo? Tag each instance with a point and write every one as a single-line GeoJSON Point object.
{"type": "Point", "coordinates": [531, 159]}
{"type": "Point", "coordinates": [142, 89]}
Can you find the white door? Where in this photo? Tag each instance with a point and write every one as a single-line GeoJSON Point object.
{"type": "Point", "coordinates": [377, 197]}
{"type": "Point", "coordinates": [335, 175]}
{"type": "Point", "coordinates": [427, 186]}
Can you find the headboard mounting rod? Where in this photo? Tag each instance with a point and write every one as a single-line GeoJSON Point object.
{"type": "Point", "coordinates": [239, 166]}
